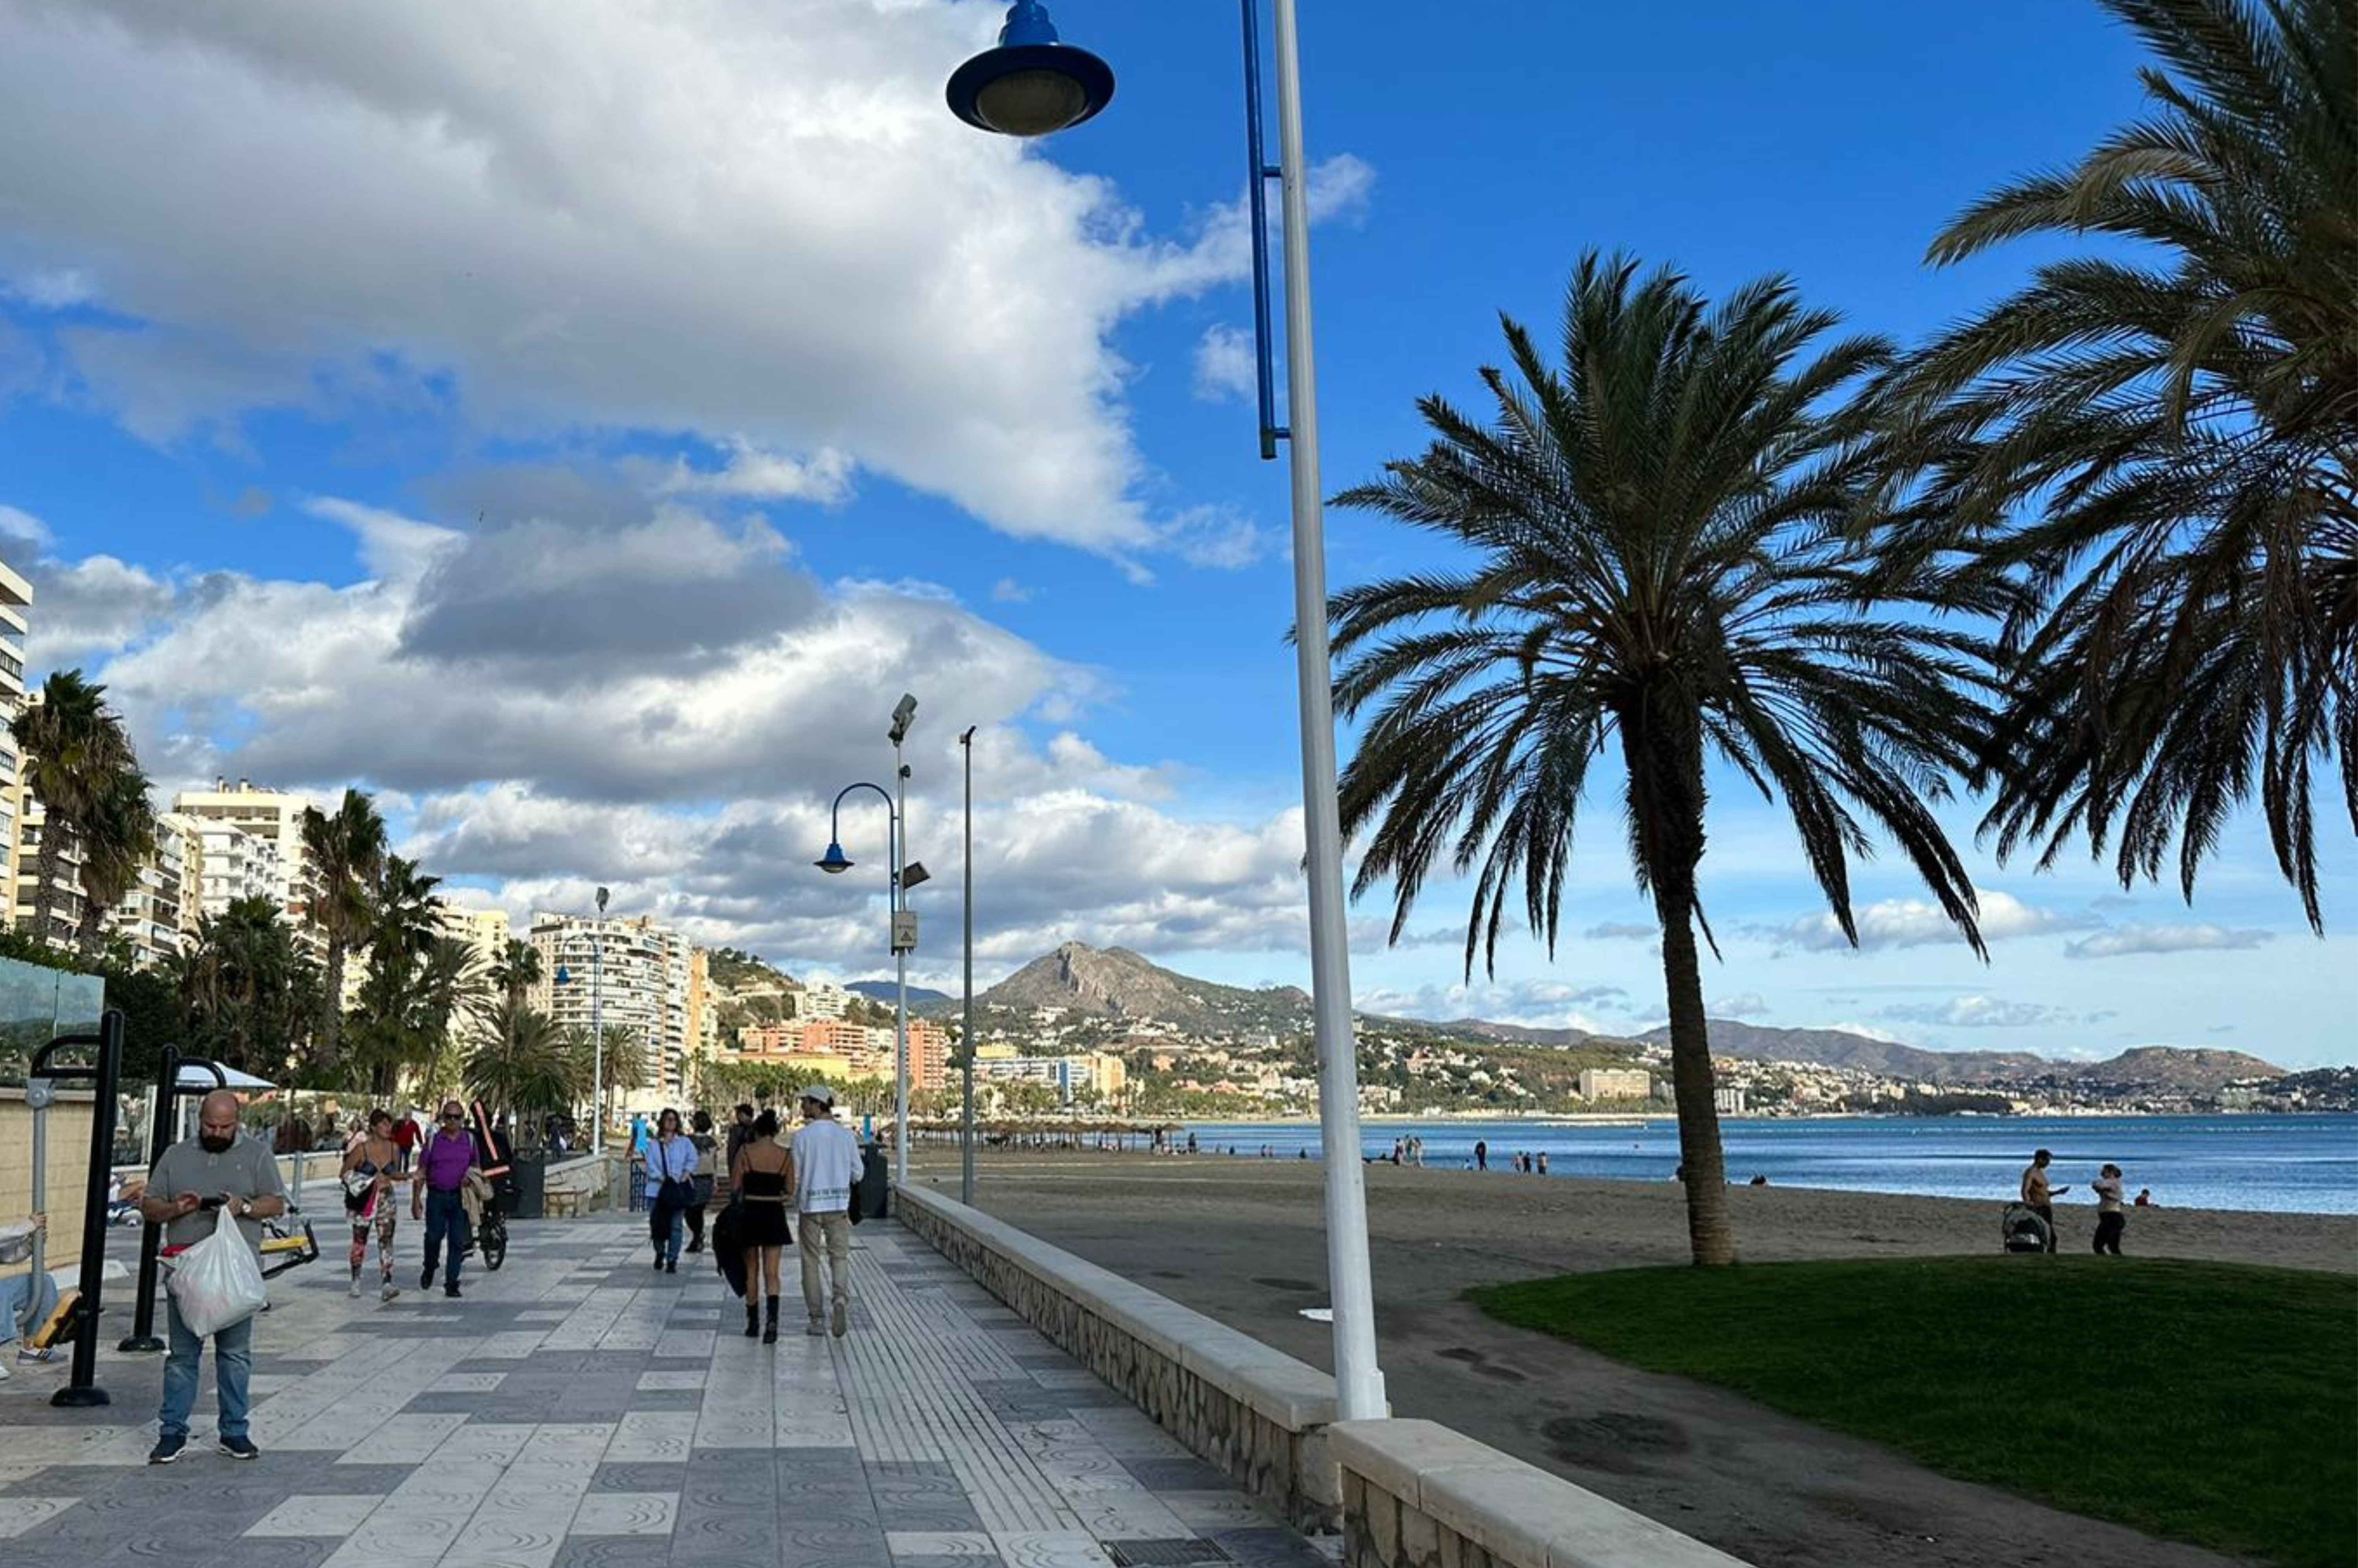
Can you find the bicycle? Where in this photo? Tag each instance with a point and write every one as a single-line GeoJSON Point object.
{"type": "Point", "coordinates": [491, 1240]}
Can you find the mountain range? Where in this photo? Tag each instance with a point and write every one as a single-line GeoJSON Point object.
{"type": "Point", "coordinates": [886, 990]}
{"type": "Point", "coordinates": [1116, 983]}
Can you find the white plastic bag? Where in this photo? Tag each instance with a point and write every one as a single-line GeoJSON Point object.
{"type": "Point", "coordinates": [217, 1283]}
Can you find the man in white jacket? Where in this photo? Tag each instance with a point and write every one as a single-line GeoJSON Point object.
{"type": "Point", "coordinates": [826, 1166]}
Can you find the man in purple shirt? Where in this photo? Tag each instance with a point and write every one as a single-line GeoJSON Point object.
{"type": "Point", "coordinates": [437, 1193]}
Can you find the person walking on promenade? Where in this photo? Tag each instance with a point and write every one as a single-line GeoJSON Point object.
{"type": "Point", "coordinates": [760, 1176]}
{"type": "Point", "coordinates": [671, 1188]}
{"type": "Point", "coordinates": [215, 1170]}
{"type": "Point", "coordinates": [438, 1195]}
{"type": "Point", "coordinates": [2111, 1215]}
{"type": "Point", "coordinates": [1481, 1155]}
{"type": "Point", "coordinates": [826, 1168]}
{"type": "Point", "coordinates": [741, 1131]}
{"type": "Point", "coordinates": [2037, 1196]}
{"type": "Point", "coordinates": [707, 1155]}
{"type": "Point", "coordinates": [368, 1178]}
{"type": "Point", "coordinates": [404, 1141]}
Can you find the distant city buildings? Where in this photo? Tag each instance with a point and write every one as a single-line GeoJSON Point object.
{"type": "Point", "coordinates": [839, 1049]}
{"type": "Point", "coordinates": [1615, 1083]}
{"type": "Point", "coordinates": [1099, 1072]}
{"type": "Point", "coordinates": [15, 602]}
{"type": "Point", "coordinates": [252, 844]}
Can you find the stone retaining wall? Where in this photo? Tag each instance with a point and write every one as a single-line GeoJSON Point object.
{"type": "Point", "coordinates": [1260, 1415]}
{"type": "Point", "coordinates": [1420, 1495]}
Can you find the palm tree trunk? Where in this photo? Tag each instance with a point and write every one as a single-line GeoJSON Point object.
{"type": "Point", "coordinates": [1709, 1236]}
{"type": "Point", "coordinates": [331, 1003]}
{"type": "Point", "coordinates": [86, 931]}
{"type": "Point", "coordinates": [45, 872]}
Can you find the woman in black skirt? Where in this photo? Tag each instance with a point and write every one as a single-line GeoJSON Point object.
{"type": "Point", "coordinates": [760, 1177]}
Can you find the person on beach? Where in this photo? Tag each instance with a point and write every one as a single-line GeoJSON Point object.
{"type": "Point", "coordinates": [759, 1176]}
{"type": "Point", "coordinates": [825, 1168]}
{"type": "Point", "coordinates": [707, 1169]}
{"type": "Point", "coordinates": [2112, 1215]}
{"type": "Point", "coordinates": [2145, 1197]}
{"type": "Point", "coordinates": [2037, 1196]}
{"type": "Point", "coordinates": [1481, 1155]}
{"type": "Point", "coordinates": [438, 1195]}
{"type": "Point", "coordinates": [1542, 1161]}
{"type": "Point", "coordinates": [192, 1184]}
{"type": "Point", "coordinates": [671, 1187]}
{"type": "Point", "coordinates": [368, 1178]}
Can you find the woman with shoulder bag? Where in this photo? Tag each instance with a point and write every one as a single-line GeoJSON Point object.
{"type": "Point", "coordinates": [671, 1188]}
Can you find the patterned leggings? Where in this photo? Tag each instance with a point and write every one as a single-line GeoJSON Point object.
{"type": "Point", "coordinates": [384, 1226]}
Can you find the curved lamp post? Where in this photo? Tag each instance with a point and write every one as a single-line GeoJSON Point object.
{"type": "Point", "coordinates": [904, 876]}
{"type": "Point", "coordinates": [1077, 85]}
{"type": "Point", "coordinates": [597, 1036]}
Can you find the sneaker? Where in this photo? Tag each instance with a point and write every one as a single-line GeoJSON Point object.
{"type": "Point", "coordinates": [240, 1448]}
{"type": "Point", "coordinates": [671, 1265]}
{"type": "Point", "coordinates": [4, 1373]}
{"type": "Point", "coordinates": [389, 1292]}
{"type": "Point", "coordinates": [166, 1449]}
{"type": "Point", "coordinates": [426, 1278]}
{"type": "Point", "coordinates": [816, 1329]}
{"type": "Point", "coordinates": [28, 1356]}
{"type": "Point", "coordinates": [355, 1291]}
{"type": "Point", "coordinates": [841, 1322]}
{"type": "Point", "coordinates": [451, 1291]}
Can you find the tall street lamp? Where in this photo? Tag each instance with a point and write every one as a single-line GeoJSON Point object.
{"type": "Point", "coordinates": [965, 1036]}
{"type": "Point", "coordinates": [905, 924]}
{"type": "Point", "coordinates": [597, 1036]}
{"type": "Point", "coordinates": [1032, 85]}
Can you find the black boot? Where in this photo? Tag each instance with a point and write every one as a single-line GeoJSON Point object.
{"type": "Point", "coordinates": [770, 1331]}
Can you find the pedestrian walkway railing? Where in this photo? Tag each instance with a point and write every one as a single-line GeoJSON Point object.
{"type": "Point", "coordinates": [1257, 1413]}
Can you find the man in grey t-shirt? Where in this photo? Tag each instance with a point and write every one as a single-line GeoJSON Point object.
{"type": "Point", "coordinates": [191, 1183]}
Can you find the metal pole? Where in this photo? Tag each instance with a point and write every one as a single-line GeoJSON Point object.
{"type": "Point", "coordinates": [40, 1260]}
{"type": "Point", "coordinates": [966, 1040]}
{"type": "Point", "coordinates": [597, 1054]}
{"type": "Point", "coordinates": [1358, 1382]}
{"type": "Point", "coordinates": [900, 902]}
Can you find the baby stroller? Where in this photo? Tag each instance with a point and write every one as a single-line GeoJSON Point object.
{"type": "Point", "coordinates": [2023, 1229]}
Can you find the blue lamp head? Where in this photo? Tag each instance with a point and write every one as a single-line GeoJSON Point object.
{"type": "Point", "coordinates": [563, 976]}
{"type": "Point", "coordinates": [1032, 83]}
{"type": "Point", "coordinates": [835, 862]}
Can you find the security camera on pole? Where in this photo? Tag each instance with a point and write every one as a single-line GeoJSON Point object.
{"type": "Point", "coordinates": [906, 874]}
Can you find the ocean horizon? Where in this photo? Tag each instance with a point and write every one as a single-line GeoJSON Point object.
{"type": "Point", "coordinates": [2305, 1163]}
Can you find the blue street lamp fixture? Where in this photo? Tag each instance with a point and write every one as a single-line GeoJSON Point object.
{"type": "Point", "coordinates": [1034, 84]}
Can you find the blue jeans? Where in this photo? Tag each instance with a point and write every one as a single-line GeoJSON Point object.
{"type": "Point", "coordinates": [233, 1363]}
{"type": "Point", "coordinates": [446, 1214]}
{"type": "Point", "coordinates": [668, 1227]}
{"type": "Point", "coordinates": [18, 1290]}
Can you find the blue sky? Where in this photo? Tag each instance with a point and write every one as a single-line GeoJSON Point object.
{"type": "Point", "coordinates": [578, 423]}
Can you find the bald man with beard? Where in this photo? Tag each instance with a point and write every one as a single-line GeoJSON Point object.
{"type": "Point", "coordinates": [216, 1169]}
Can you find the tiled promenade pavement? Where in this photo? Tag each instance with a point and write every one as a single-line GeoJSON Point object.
{"type": "Point", "coordinates": [578, 1410]}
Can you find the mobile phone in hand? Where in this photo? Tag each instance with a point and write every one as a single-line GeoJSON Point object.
{"type": "Point", "coordinates": [211, 1203]}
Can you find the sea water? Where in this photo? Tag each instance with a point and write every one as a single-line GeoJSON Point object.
{"type": "Point", "coordinates": [2283, 1163]}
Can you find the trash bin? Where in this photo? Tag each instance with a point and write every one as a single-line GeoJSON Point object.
{"type": "Point", "coordinates": [527, 1193]}
{"type": "Point", "coordinates": [874, 1193]}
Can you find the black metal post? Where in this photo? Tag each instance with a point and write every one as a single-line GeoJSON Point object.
{"type": "Point", "coordinates": [143, 1339]}
{"type": "Point", "coordinates": [105, 1077]}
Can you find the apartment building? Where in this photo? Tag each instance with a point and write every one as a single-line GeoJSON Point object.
{"type": "Point", "coordinates": [821, 999]}
{"type": "Point", "coordinates": [1615, 1083]}
{"type": "Point", "coordinates": [15, 600]}
{"type": "Point", "coordinates": [1103, 1071]}
{"type": "Point", "coordinates": [282, 872]}
{"type": "Point", "coordinates": [629, 972]}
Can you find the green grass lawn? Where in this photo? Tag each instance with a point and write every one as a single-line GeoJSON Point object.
{"type": "Point", "coordinates": [2209, 1402]}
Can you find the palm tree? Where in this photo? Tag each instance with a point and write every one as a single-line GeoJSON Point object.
{"type": "Point", "coordinates": [248, 989]}
{"type": "Point", "coordinates": [525, 1063]}
{"type": "Point", "coordinates": [347, 853]}
{"type": "Point", "coordinates": [73, 746]}
{"type": "Point", "coordinates": [624, 1059]}
{"type": "Point", "coordinates": [118, 835]}
{"type": "Point", "coordinates": [2176, 427]}
{"type": "Point", "coordinates": [1672, 563]}
{"type": "Point", "coordinates": [517, 970]}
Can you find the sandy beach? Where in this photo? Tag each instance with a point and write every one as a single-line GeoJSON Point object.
{"type": "Point", "coordinates": [1241, 1240]}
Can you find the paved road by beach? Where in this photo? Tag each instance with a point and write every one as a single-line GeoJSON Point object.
{"type": "Point", "coordinates": [1241, 1240]}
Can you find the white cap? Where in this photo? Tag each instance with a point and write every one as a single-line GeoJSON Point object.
{"type": "Point", "coordinates": [820, 1093]}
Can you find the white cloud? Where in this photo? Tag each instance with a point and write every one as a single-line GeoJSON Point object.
{"type": "Point", "coordinates": [56, 289]}
{"type": "Point", "coordinates": [21, 530]}
{"type": "Point", "coordinates": [1977, 1011]}
{"type": "Point", "coordinates": [1531, 1004]}
{"type": "Point", "coordinates": [757, 226]}
{"type": "Point", "coordinates": [2121, 941]}
{"type": "Point", "coordinates": [1615, 931]}
{"type": "Point", "coordinates": [1745, 1004]}
{"type": "Point", "coordinates": [1226, 370]}
{"type": "Point", "coordinates": [1920, 923]}
{"type": "Point", "coordinates": [1218, 538]}
{"type": "Point", "coordinates": [1007, 590]}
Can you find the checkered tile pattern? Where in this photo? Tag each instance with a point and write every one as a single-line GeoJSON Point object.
{"type": "Point", "coordinates": [578, 1410]}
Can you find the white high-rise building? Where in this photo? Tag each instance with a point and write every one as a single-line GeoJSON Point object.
{"type": "Point", "coordinates": [234, 864]}
{"type": "Point", "coordinates": [632, 972]}
{"type": "Point", "coordinates": [15, 598]}
{"type": "Point", "coordinates": [821, 999]}
{"type": "Point", "coordinates": [272, 817]}
{"type": "Point", "coordinates": [150, 917]}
